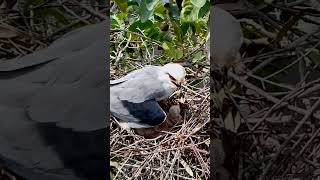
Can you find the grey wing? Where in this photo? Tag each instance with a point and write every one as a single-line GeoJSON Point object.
{"type": "Point", "coordinates": [141, 87]}
{"type": "Point", "coordinates": [74, 41]}
{"type": "Point", "coordinates": [136, 73]}
{"type": "Point", "coordinates": [131, 75]}
{"type": "Point", "coordinates": [68, 68]}
{"type": "Point", "coordinates": [138, 115]}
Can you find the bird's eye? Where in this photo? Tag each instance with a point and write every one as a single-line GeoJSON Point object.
{"type": "Point", "coordinates": [171, 77]}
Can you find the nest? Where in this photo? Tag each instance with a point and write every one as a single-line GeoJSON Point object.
{"type": "Point", "coordinates": [180, 150]}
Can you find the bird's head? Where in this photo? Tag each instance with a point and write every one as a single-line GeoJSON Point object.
{"type": "Point", "coordinates": [175, 72]}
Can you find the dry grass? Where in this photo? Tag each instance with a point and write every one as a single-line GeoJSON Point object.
{"type": "Point", "coordinates": [182, 152]}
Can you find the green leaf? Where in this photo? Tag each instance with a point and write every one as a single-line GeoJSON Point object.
{"type": "Point", "coordinates": [198, 3]}
{"type": "Point", "coordinates": [163, 36]}
{"type": "Point", "coordinates": [122, 5]}
{"type": "Point", "coordinates": [150, 4]}
{"type": "Point", "coordinates": [171, 51]}
{"type": "Point", "coordinates": [198, 57]}
{"type": "Point", "coordinates": [146, 9]}
{"type": "Point", "coordinates": [114, 21]}
{"type": "Point", "coordinates": [174, 12]}
{"type": "Point", "coordinates": [189, 12]}
{"type": "Point", "coordinates": [201, 27]}
{"type": "Point", "coordinates": [141, 25]}
{"type": "Point", "coordinates": [179, 3]}
{"type": "Point", "coordinates": [133, 3]}
{"type": "Point", "coordinates": [184, 28]}
{"type": "Point", "coordinates": [204, 9]}
{"type": "Point", "coordinates": [178, 32]}
{"type": "Point", "coordinates": [160, 15]}
{"type": "Point", "coordinates": [117, 21]}
{"type": "Point", "coordinates": [148, 27]}
{"type": "Point", "coordinates": [160, 11]}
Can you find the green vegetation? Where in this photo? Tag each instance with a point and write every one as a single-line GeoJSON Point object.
{"type": "Point", "coordinates": [142, 29]}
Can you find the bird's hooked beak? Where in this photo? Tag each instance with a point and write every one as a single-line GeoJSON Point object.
{"type": "Point", "coordinates": [179, 83]}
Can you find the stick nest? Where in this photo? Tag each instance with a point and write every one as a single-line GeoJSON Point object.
{"type": "Point", "coordinates": [181, 152]}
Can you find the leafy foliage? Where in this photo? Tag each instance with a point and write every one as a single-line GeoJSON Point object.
{"type": "Point", "coordinates": [177, 27]}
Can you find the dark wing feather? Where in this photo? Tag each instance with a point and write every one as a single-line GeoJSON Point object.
{"type": "Point", "coordinates": [145, 114]}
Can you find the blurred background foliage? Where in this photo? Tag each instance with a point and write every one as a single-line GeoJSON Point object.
{"type": "Point", "coordinates": [142, 29]}
{"type": "Point", "coordinates": [262, 122]}
{"type": "Point", "coordinates": [28, 25]}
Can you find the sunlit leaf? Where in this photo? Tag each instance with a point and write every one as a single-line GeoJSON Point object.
{"type": "Point", "coordinates": [204, 9]}
{"type": "Point", "coordinates": [198, 3]}
{"type": "Point", "coordinates": [122, 5]}
{"type": "Point", "coordinates": [172, 51]}
{"type": "Point", "coordinates": [141, 25]}
{"type": "Point", "coordinates": [197, 57]}
{"type": "Point", "coordinates": [160, 10]}
{"type": "Point", "coordinates": [146, 9]}
{"type": "Point", "coordinates": [189, 16]}
{"type": "Point", "coordinates": [150, 4]}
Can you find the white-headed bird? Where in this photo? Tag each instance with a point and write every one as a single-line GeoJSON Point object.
{"type": "Point", "coordinates": [226, 38]}
{"type": "Point", "coordinates": [133, 98]}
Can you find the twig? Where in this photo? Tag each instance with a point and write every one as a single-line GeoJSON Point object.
{"type": "Point", "coordinates": [137, 34]}
{"type": "Point", "coordinates": [286, 142]}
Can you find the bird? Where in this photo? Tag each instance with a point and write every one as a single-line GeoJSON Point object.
{"type": "Point", "coordinates": [226, 38]}
{"type": "Point", "coordinates": [134, 98]}
{"type": "Point", "coordinates": [54, 106]}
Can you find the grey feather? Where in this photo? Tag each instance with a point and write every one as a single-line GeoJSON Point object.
{"type": "Point", "coordinates": [53, 107]}
{"type": "Point", "coordinates": [133, 97]}
{"type": "Point", "coordinates": [131, 75]}
{"type": "Point", "coordinates": [69, 43]}
{"type": "Point", "coordinates": [140, 86]}
{"type": "Point", "coordinates": [138, 115]}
